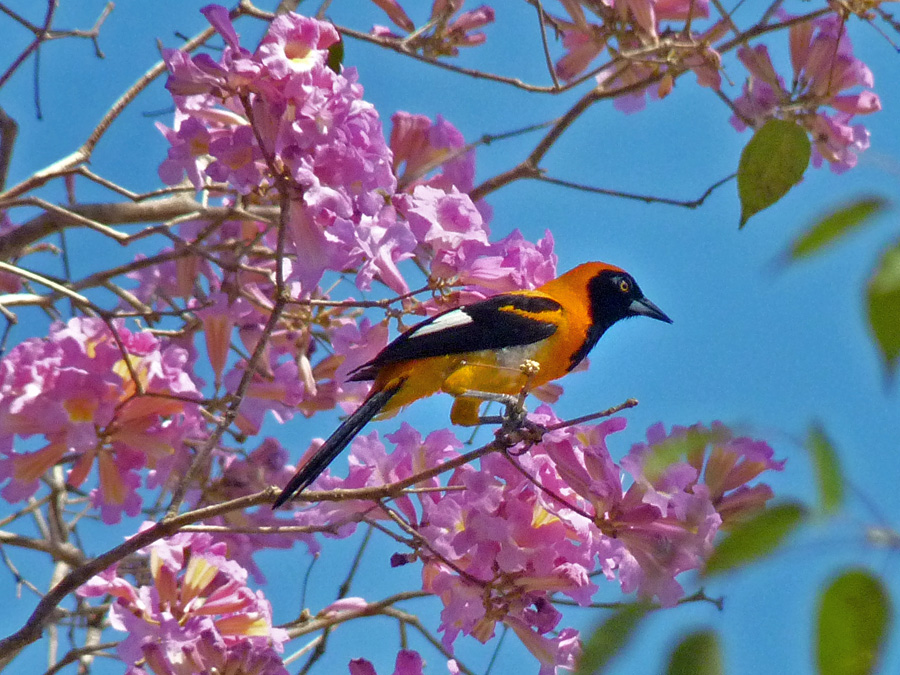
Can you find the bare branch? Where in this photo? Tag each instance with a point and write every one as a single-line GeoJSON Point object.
{"type": "Point", "coordinates": [73, 655]}
{"type": "Point", "coordinates": [59, 551]}
{"type": "Point", "coordinates": [121, 213]}
{"type": "Point", "coordinates": [45, 281]}
{"type": "Point", "coordinates": [372, 609]}
{"type": "Point", "coordinates": [647, 199]}
{"type": "Point", "coordinates": [8, 132]}
{"type": "Point", "coordinates": [547, 57]}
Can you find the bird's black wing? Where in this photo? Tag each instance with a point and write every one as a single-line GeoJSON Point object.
{"type": "Point", "coordinates": [501, 321]}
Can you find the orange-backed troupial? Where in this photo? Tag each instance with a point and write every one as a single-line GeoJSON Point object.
{"type": "Point", "coordinates": [489, 350]}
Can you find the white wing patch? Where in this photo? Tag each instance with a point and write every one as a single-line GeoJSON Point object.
{"type": "Point", "coordinates": [452, 319]}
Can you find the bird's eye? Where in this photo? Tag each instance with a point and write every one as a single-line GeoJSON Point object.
{"type": "Point", "coordinates": [624, 286]}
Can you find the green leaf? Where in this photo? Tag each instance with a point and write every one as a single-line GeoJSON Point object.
{"type": "Point", "coordinates": [837, 224]}
{"type": "Point", "coordinates": [771, 164]}
{"type": "Point", "coordinates": [755, 538]}
{"type": "Point", "coordinates": [827, 469]}
{"type": "Point", "coordinates": [336, 56]}
{"type": "Point", "coordinates": [698, 653]}
{"type": "Point", "coordinates": [610, 638]}
{"type": "Point", "coordinates": [883, 304]}
{"type": "Point", "coordinates": [854, 617]}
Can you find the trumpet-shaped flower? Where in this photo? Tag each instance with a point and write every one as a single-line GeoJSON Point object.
{"type": "Point", "coordinates": [824, 69]}
{"type": "Point", "coordinates": [197, 616]}
{"type": "Point", "coordinates": [101, 395]}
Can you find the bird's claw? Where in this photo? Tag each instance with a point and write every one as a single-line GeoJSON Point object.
{"type": "Point", "coordinates": [517, 428]}
{"type": "Point", "coordinates": [514, 414]}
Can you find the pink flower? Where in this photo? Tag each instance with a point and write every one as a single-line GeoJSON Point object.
{"type": "Point", "coordinates": [192, 76]}
{"type": "Point", "coordinates": [408, 663]}
{"type": "Point", "coordinates": [295, 44]}
{"type": "Point", "coordinates": [444, 220]}
{"type": "Point", "coordinates": [421, 147]}
{"type": "Point", "coordinates": [220, 20]}
{"type": "Point", "coordinates": [238, 160]}
{"type": "Point", "coordinates": [445, 34]}
{"type": "Point", "coordinates": [731, 463]}
{"type": "Point", "coordinates": [397, 14]}
{"type": "Point", "coordinates": [584, 43]}
{"type": "Point", "coordinates": [198, 616]}
{"type": "Point", "coordinates": [824, 68]}
{"type": "Point", "coordinates": [219, 317]}
{"type": "Point", "coordinates": [837, 141]}
{"type": "Point", "coordinates": [171, 278]}
{"type": "Point", "coordinates": [634, 25]}
{"type": "Point", "coordinates": [89, 397]}
{"type": "Point", "coordinates": [279, 392]}
{"type": "Point", "coordinates": [357, 344]}
{"type": "Point", "coordinates": [313, 247]}
{"type": "Point", "coordinates": [189, 143]}
{"type": "Point", "coordinates": [379, 243]}
{"type": "Point", "coordinates": [201, 74]}
{"type": "Point", "coordinates": [463, 30]}
{"type": "Point", "coordinates": [510, 264]}
{"type": "Point", "coordinates": [552, 653]}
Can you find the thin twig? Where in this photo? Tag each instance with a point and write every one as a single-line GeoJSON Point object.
{"type": "Point", "coordinates": [336, 618]}
{"type": "Point", "coordinates": [547, 57]}
{"type": "Point", "coordinates": [79, 653]}
{"type": "Point", "coordinates": [647, 199]}
{"type": "Point", "coordinates": [343, 591]}
{"type": "Point", "coordinates": [32, 629]}
{"type": "Point", "coordinates": [38, 278]}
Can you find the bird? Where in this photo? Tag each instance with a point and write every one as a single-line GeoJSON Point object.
{"type": "Point", "coordinates": [491, 350]}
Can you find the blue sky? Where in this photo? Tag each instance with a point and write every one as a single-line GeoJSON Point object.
{"type": "Point", "coordinates": [771, 349]}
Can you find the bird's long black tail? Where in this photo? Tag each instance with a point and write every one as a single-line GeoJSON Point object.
{"type": "Point", "coordinates": [339, 440]}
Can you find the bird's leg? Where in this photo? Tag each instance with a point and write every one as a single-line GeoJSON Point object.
{"type": "Point", "coordinates": [515, 410]}
{"type": "Point", "coordinates": [513, 421]}
{"type": "Point", "coordinates": [514, 415]}
{"type": "Point", "coordinates": [529, 369]}
{"type": "Point", "coordinates": [523, 427]}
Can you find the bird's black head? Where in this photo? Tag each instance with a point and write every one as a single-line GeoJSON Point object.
{"type": "Point", "coordinates": [615, 295]}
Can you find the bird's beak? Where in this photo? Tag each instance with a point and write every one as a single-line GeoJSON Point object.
{"type": "Point", "coordinates": [646, 308]}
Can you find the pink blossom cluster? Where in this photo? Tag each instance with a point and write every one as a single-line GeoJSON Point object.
{"type": "Point", "coordinates": [282, 119]}
{"type": "Point", "coordinates": [253, 121]}
{"type": "Point", "coordinates": [282, 116]}
{"type": "Point", "coordinates": [197, 615]}
{"type": "Point", "coordinates": [445, 31]}
{"type": "Point", "coordinates": [624, 26]}
{"type": "Point", "coordinates": [508, 537]}
{"type": "Point", "coordinates": [97, 393]}
{"type": "Point", "coordinates": [824, 69]}
{"type": "Point", "coordinates": [822, 60]}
